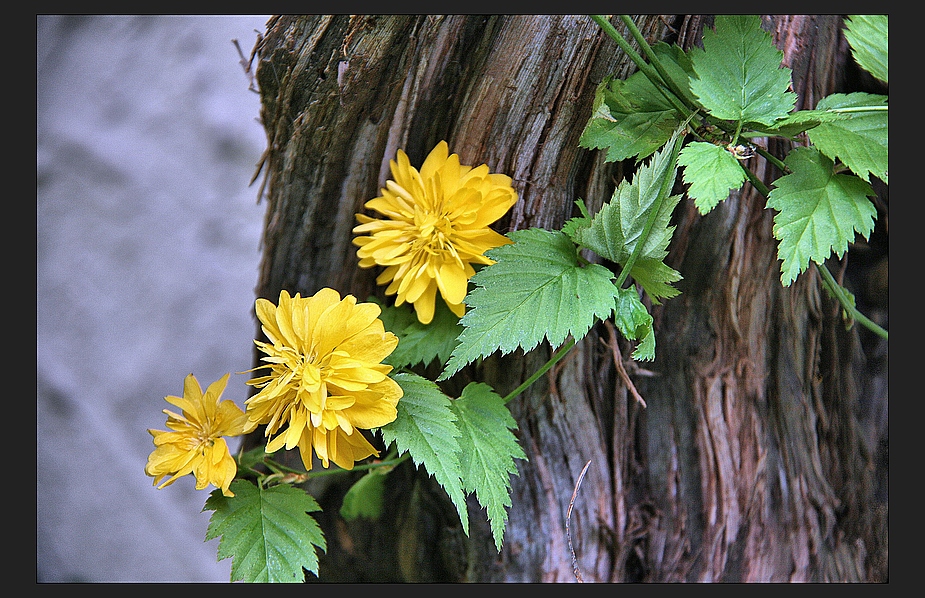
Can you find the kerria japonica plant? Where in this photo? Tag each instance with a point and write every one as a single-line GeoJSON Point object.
{"type": "Point", "coordinates": [334, 367]}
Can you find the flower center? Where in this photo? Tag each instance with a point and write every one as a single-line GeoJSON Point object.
{"type": "Point", "coordinates": [312, 387]}
{"type": "Point", "coordinates": [435, 234]}
{"type": "Point", "coordinates": [203, 438]}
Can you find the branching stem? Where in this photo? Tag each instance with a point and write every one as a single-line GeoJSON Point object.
{"type": "Point", "coordinates": [664, 87]}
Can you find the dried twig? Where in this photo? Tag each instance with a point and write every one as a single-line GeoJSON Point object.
{"type": "Point", "coordinates": [246, 65]}
{"type": "Point", "coordinates": [618, 362]}
{"type": "Point", "coordinates": [568, 517]}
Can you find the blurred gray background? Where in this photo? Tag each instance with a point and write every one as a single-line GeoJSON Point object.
{"type": "Point", "coordinates": [148, 245]}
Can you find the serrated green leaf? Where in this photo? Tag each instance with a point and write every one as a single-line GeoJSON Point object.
{"type": "Point", "coordinates": [617, 229]}
{"type": "Point", "coordinates": [711, 171]}
{"type": "Point", "coordinates": [267, 532]}
{"type": "Point", "coordinates": [819, 212]}
{"type": "Point", "coordinates": [488, 449]}
{"type": "Point", "coordinates": [635, 323]}
{"type": "Point", "coordinates": [425, 428]}
{"type": "Point", "coordinates": [739, 73]}
{"type": "Point", "coordinates": [630, 118]}
{"type": "Point", "coordinates": [417, 342]}
{"type": "Point", "coordinates": [365, 497]}
{"type": "Point", "coordinates": [861, 139]}
{"type": "Point", "coordinates": [868, 36]}
{"type": "Point", "coordinates": [536, 289]}
{"type": "Point", "coordinates": [573, 224]}
{"type": "Point", "coordinates": [656, 278]}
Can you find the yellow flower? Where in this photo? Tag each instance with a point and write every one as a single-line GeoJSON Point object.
{"type": "Point", "coordinates": [435, 227]}
{"type": "Point", "coordinates": [326, 380]}
{"type": "Point", "coordinates": [196, 445]}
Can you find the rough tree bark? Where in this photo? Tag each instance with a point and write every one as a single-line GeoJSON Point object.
{"type": "Point", "coordinates": [755, 455]}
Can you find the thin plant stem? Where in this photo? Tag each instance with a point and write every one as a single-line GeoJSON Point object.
{"type": "Point", "coordinates": [536, 375]}
{"type": "Point", "coordinates": [757, 183]}
{"type": "Point", "coordinates": [663, 192]}
{"type": "Point", "coordinates": [735, 136]}
{"type": "Point", "coordinates": [771, 158]}
{"type": "Point", "coordinates": [653, 59]}
{"type": "Point", "coordinates": [363, 467]}
{"type": "Point", "coordinates": [277, 467]}
{"type": "Point", "coordinates": [837, 290]}
{"type": "Point", "coordinates": [650, 73]}
{"type": "Point", "coordinates": [306, 475]}
{"type": "Point", "coordinates": [861, 109]}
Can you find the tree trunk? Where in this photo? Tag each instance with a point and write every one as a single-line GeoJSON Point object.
{"type": "Point", "coordinates": [754, 456]}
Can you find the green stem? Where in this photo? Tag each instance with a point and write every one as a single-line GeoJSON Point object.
{"type": "Point", "coordinates": [861, 109]}
{"type": "Point", "coordinates": [273, 465]}
{"type": "Point", "coordinates": [536, 375]}
{"type": "Point", "coordinates": [837, 290]}
{"type": "Point", "coordinates": [641, 64]}
{"type": "Point", "coordinates": [735, 136]}
{"type": "Point", "coordinates": [364, 467]}
{"type": "Point", "coordinates": [653, 59]}
{"type": "Point", "coordinates": [771, 158]}
{"type": "Point", "coordinates": [756, 182]}
{"type": "Point", "coordinates": [624, 45]}
{"type": "Point", "coordinates": [277, 467]}
{"type": "Point", "coordinates": [667, 183]}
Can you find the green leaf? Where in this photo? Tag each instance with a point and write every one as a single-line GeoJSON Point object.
{"type": "Point", "coordinates": [711, 171]}
{"type": "Point", "coordinates": [635, 323]}
{"type": "Point", "coordinates": [365, 497]}
{"type": "Point", "coordinates": [425, 428]}
{"type": "Point", "coordinates": [619, 226]}
{"type": "Point", "coordinates": [573, 224]}
{"type": "Point", "coordinates": [488, 449]}
{"type": "Point", "coordinates": [868, 36]}
{"type": "Point", "coordinates": [739, 77]}
{"type": "Point", "coordinates": [630, 118]}
{"type": "Point", "coordinates": [395, 319]}
{"type": "Point", "coordinates": [861, 139]}
{"type": "Point", "coordinates": [656, 278]}
{"type": "Point", "coordinates": [267, 532]}
{"type": "Point", "coordinates": [819, 212]}
{"type": "Point", "coordinates": [421, 343]}
{"type": "Point", "coordinates": [536, 288]}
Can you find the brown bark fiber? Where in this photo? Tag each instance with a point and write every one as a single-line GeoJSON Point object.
{"type": "Point", "coordinates": [748, 460]}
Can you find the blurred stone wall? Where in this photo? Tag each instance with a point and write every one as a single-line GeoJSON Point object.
{"type": "Point", "coordinates": [148, 244]}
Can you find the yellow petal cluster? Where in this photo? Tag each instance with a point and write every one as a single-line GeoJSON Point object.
{"type": "Point", "coordinates": [325, 380]}
{"type": "Point", "coordinates": [196, 444]}
{"type": "Point", "coordinates": [435, 225]}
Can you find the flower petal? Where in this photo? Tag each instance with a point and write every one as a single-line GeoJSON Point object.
{"type": "Point", "coordinates": [452, 282]}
